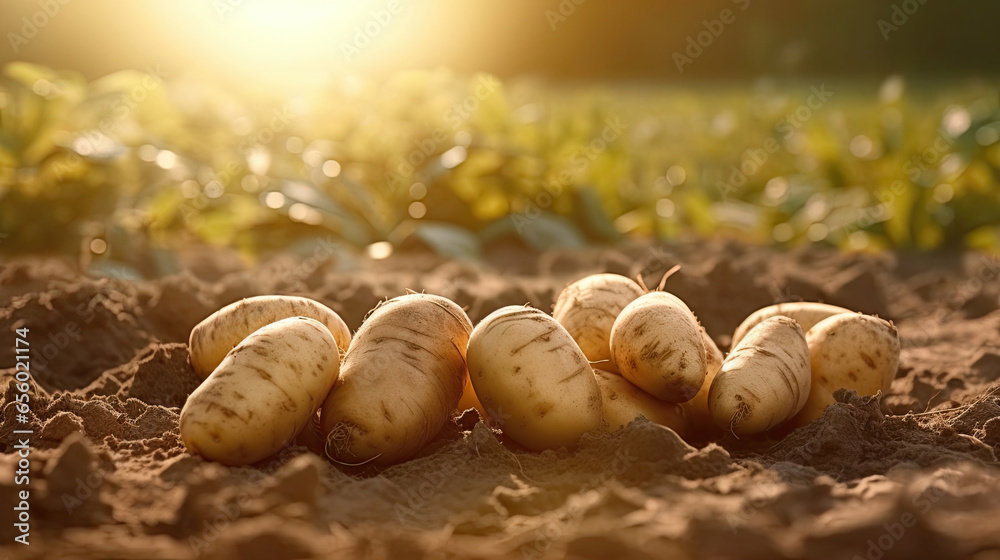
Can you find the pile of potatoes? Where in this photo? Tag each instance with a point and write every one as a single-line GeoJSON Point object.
{"type": "Point", "coordinates": [610, 352]}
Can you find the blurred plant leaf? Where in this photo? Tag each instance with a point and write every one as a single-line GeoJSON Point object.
{"type": "Point", "coordinates": [592, 216]}
{"type": "Point", "coordinates": [449, 240]}
{"type": "Point", "coordinates": [540, 231]}
{"type": "Point", "coordinates": [174, 161]}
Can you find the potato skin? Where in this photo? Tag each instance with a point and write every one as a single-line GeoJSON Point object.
{"type": "Point", "coordinates": [656, 343]}
{"type": "Point", "coordinates": [263, 394]}
{"type": "Point", "coordinates": [696, 409]}
{"type": "Point", "coordinates": [764, 381]}
{"type": "Point", "coordinates": [532, 378]}
{"type": "Point", "coordinates": [588, 308]}
{"type": "Point", "coordinates": [400, 380]}
{"type": "Point", "coordinates": [623, 402]}
{"type": "Point", "coordinates": [806, 313]}
{"type": "Point", "coordinates": [850, 351]}
{"type": "Point", "coordinates": [214, 337]}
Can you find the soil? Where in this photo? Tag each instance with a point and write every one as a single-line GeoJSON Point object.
{"type": "Point", "coordinates": [910, 474]}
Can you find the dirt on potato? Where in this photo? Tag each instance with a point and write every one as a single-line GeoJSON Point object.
{"type": "Point", "coordinates": [911, 474]}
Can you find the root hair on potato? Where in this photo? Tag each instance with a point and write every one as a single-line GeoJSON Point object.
{"type": "Point", "coordinates": [340, 438]}
{"type": "Point", "coordinates": [742, 411]}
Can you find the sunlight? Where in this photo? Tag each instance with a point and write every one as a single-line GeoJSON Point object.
{"type": "Point", "coordinates": [288, 43]}
{"type": "Point", "coordinates": [297, 14]}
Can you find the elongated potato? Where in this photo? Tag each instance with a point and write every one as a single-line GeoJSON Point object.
{"type": "Point", "coordinates": [806, 313]}
{"type": "Point", "coordinates": [696, 410]}
{"type": "Point", "coordinates": [262, 394]}
{"type": "Point", "coordinates": [588, 309]}
{"type": "Point", "coordinates": [214, 337]}
{"type": "Point", "coordinates": [850, 351]}
{"type": "Point", "coordinates": [623, 402]}
{"type": "Point", "coordinates": [532, 378]}
{"type": "Point", "coordinates": [764, 381]}
{"type": "Point", "coordinates": [656, 343]}
{"type": "Point", "coordinates": [401, 378]}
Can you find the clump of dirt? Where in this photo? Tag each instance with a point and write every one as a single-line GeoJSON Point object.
{"type": "Point", "coordinates": [161, 374]}
{"type": "Point", "coordinates": [79, 329]}
{"type": "Point", "coordinates": [854, 439]}
{"type": "Point", "coordinates": [109, 420]}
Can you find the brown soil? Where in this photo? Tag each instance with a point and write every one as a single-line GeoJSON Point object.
{"type": "Point", "coordinates": [110, 477]}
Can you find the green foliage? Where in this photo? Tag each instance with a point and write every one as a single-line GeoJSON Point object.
{"type": "Point", "coordinates": [454, 163]}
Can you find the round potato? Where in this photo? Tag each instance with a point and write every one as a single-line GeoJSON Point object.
{"type": "Point", "coordinates": [214, 337]}
{"type": "Point", "coordinates": [656, 343]}
{"type": "Point", "coordinates": [623, 402]}
{"type": "Point", "coordinates": [764, 381]}
{"type": "Point", "coordinates": [806, 313]}
{"type": "Point", "coordinates": [263, 394]}
{"type": "Point", "coordinates": [401, 378]}
{"type": "Point", "coordinates": [849, 351]}
{"type": "Point", "coordinates": [588, 308]}
{"type": "Point", "coordinates": [532, 378]}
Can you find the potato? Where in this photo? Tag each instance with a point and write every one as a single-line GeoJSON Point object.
{"type": "Point", "coordinates": [214, 337]}
{"type": "Point", "coordinates": [850, 351]}
{"type": "Point", "coordinates": [400, 380]}
{"type": "Point", "coordinates": [764, 380]}
{"type": "Point", "coordinates": [623, 402]}
{"type": "Point", "coordinates": [588, 308]}
{"type": "Point", "coordinates": [262, 394]}
{"type": "Point", "coordinates": [656, 343]}
{"type": "Point", "coordinates": [806, 313]}
{"type": "Point", "coordinates": [533, 380]}
{"type": "Point", "coordinates": [696, 409]}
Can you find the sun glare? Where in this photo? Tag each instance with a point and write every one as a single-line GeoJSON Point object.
{"type": "Point", "coordinates": [287, 42]}
{"type": "Point", "coordinates": [297, 14]}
